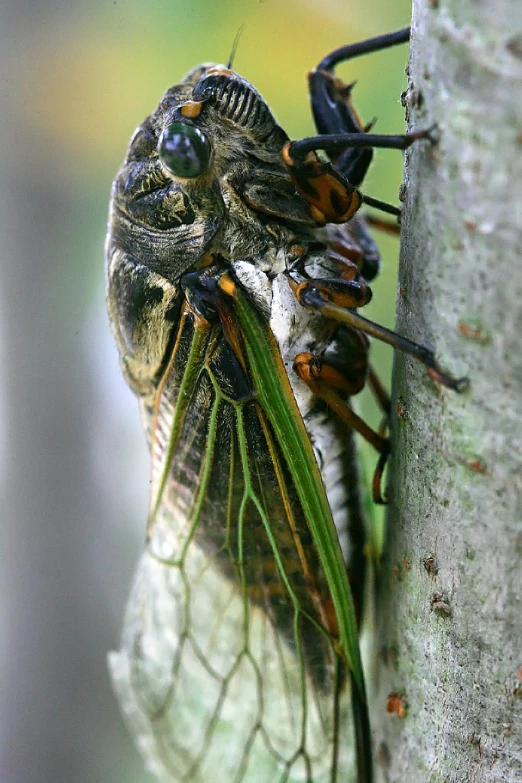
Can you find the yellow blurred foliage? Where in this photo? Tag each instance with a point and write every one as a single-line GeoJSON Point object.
{"type": "Point", "coordinates": [93, 90]}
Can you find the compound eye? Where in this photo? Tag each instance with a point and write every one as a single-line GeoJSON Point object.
{"type": "Point", "coordinates": [184, 150]}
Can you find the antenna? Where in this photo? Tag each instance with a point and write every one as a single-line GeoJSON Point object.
{"type": "Point", "coordinates": [234, 46]}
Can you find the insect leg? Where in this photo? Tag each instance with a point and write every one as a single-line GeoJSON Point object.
{"type": "Point", "coordinates": [337, 142]}
{"type": "Point", "coordinates": [379, 392]}
{"type": "Point", "coordinates": [390, 209]}
{"type": "Point", "coordinates": [387, 226]}
{"type": "Point", "coordinates": [333, 110]}
{"type": "Point", "coordinates": [381, 396]}
{"type": "Point", "coordinates": [332, 198]}
{"type": "Point", "coordinates": [346, 293]}
{"type": "Point", "coordinates": [334, 113]}
{"type": "Point", "coordinates": [343, 137]}
{"type": "Point", "coordinates": [326, 380]}
{"type": "Point", "coordinates": [367, 46]}
{"type": "Point", "coordinates": [352, 245]}
{"type": "Point", "coordinates": [315, 297]}
{"type": "Point", "coordinates": [329, 195]}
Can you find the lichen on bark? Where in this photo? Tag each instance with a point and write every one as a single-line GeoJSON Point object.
{"type": "Point", "coordinates": [450, 595]}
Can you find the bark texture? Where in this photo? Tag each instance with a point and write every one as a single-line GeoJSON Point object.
{"type": "Point", "coordinates": [450, 624]}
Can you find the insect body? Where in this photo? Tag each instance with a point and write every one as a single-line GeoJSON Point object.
{"type": "Point", "coordinates": [235, 265]}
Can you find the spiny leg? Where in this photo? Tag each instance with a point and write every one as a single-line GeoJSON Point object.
{"type": "Point", "coordinates": [332, 107]}
{"type": "Point", "coordinates": [343, 137]}
{"type": "Point", "coordinates": [334, 113]}
{"type": "Point", "coordinates": [348, 292]}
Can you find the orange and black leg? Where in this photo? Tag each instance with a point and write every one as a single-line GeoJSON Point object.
{"type": "Point", "coordinates": [386, 226]}
{"type": "Point", "coordinates": [381, 396]}
{"type": "Point", "coordinates": [331, 104]}
{"type": "Point", "coordinates": [345, 293]}
{"type": "Point", "coordinates": [332, 190]}
{"type": "Point", "coordinates": [322, 298]}
{"type": "Point", "coordinates": [333, 385]}
{"type": "Point", "coordinates": [352, 245]}
{"type": "Point", "coordinates": [323, 186]}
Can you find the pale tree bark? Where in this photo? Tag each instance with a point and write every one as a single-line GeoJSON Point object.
{"type": "Point", "coordinates": [450, 628]}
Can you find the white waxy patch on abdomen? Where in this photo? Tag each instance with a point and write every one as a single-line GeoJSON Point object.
{"type": "Point", "coordinates": [296, 330]}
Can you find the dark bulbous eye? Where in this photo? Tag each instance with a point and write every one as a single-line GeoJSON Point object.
{"type": "Point", "coordinates": [184, 150]}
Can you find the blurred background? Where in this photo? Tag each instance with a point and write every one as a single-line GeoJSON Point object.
{"type": "Point", "coordinates": [77, 77]}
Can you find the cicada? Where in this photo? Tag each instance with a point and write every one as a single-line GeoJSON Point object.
{"type": "Point", "coordinates": [236, 263]}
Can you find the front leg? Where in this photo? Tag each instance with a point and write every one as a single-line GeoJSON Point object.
{"type": "Point", "coordinates": [334, 113]}
{"type": "Point", "coordinates": [331, 197]}
{"type": "Point", "coordinates": [332, 192]}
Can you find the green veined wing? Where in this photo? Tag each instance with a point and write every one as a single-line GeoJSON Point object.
{"type": "Point", "coordinates": [239, 649]}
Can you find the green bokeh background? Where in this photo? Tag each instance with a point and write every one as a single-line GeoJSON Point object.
{"type": "Point", "coordinates": [77, 77]}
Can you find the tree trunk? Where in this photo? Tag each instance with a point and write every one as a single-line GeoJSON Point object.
{"type": "Point", "coordinates": [450, 608]}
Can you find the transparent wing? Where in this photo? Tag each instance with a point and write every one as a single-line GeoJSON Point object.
{"type": "Point", "coordinates": [229, 668]}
